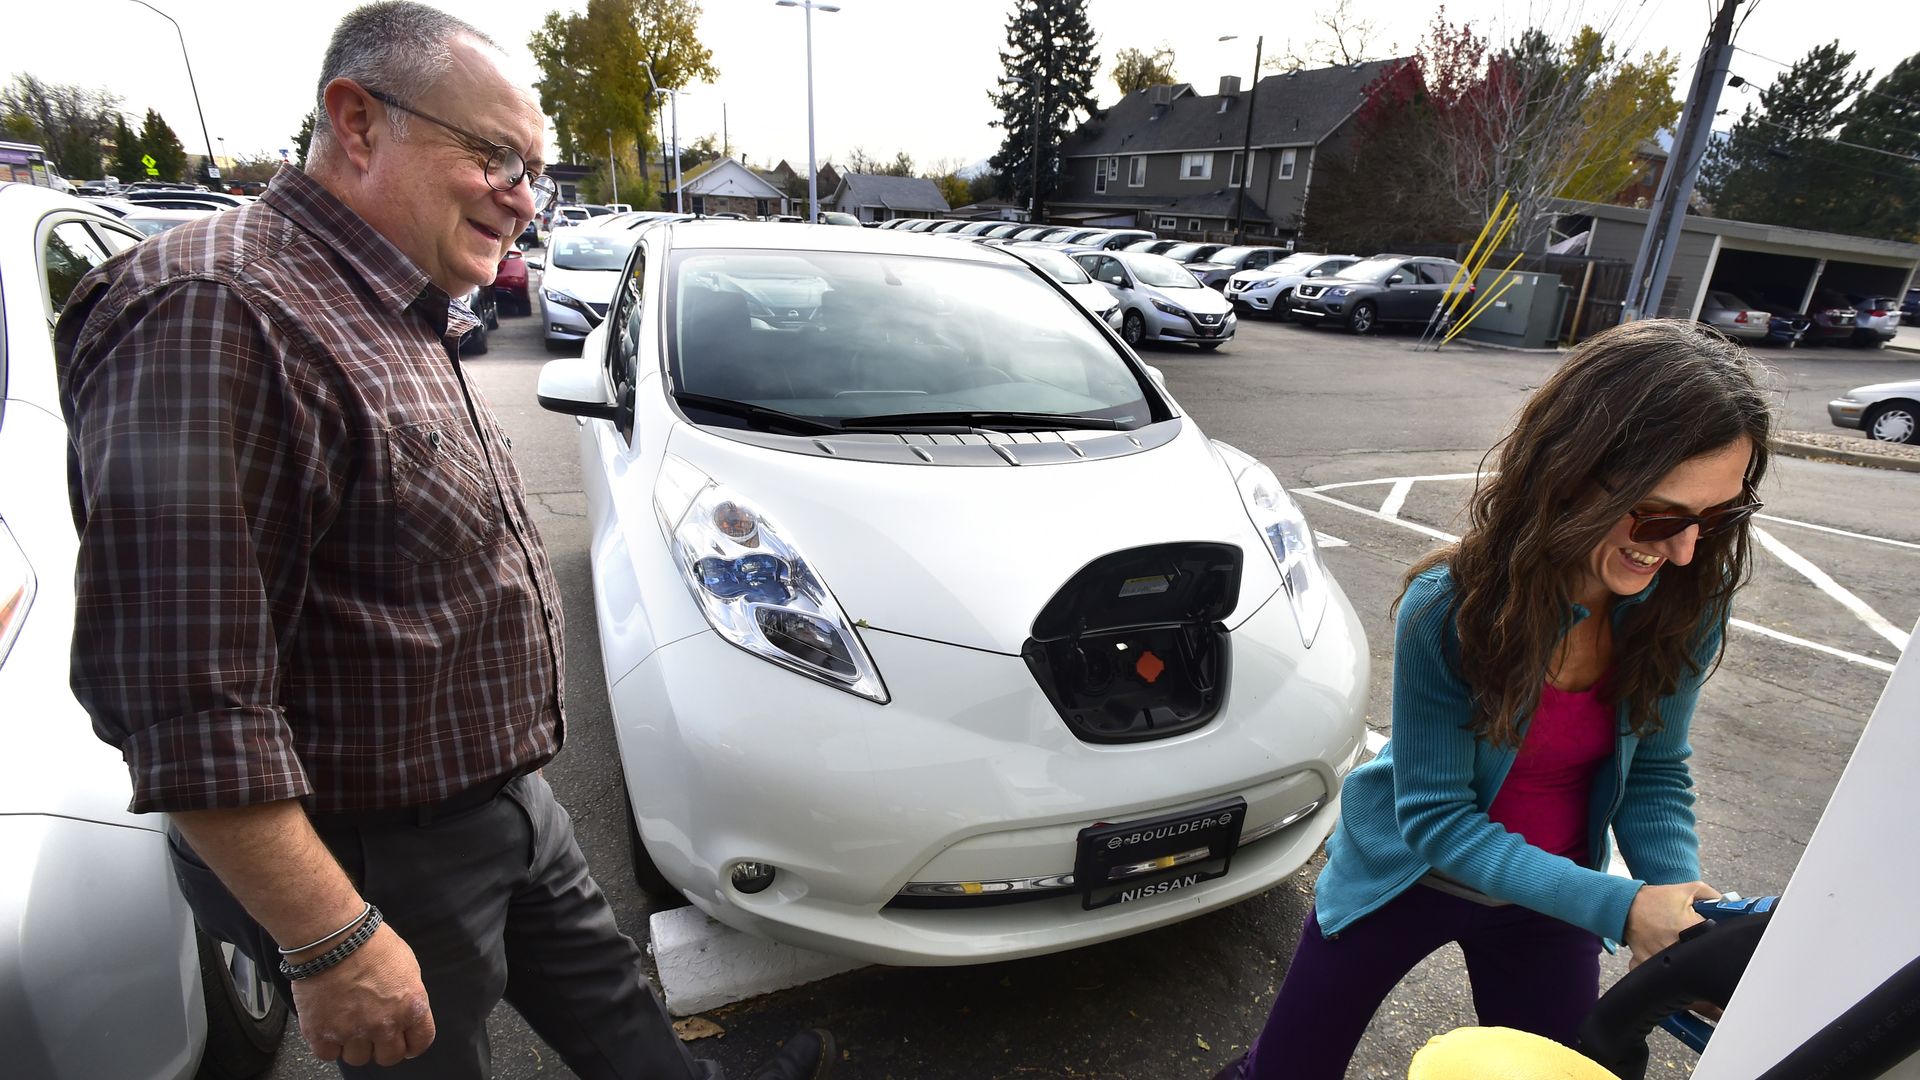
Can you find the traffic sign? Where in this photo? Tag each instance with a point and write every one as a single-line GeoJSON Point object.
{"type": "Point", "coordinates": [147, 160]}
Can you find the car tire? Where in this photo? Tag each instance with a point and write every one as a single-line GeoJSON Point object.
{"type": "Point", "coordinates": [1364, 319]}
{"type": "Point", "coordinates": [475, 344]}
{"type": "Point", "coordinates": [493, 317]}
{"type": "Point", "coordinates": [1893, 421]}
{"type": "Point", "coordinates": [557, 345]}
{"type": "Point", "coordinates": [1283, 306]}
{"type": "Point", "coordinates": [646, 874]}
{"type": "Point", "coordinates": [246, 1014]}
{"type": "Point", "coordinates": [1133, 328]}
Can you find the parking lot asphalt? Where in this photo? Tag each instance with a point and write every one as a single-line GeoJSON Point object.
{"type": "Point", "coordinates": [1402, 432]}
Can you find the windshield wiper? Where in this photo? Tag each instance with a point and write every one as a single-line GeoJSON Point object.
{"type": "Point", "coordinates": [772, 419]}
{"type": "Point", "coordinates": [991, 421]}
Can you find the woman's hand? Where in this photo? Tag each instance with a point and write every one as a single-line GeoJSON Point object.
{"type": "Point", "coordinates": [1659, 913]}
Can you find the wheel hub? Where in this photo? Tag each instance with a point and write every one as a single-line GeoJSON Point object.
{"type": "Point", "coordinates": [1895, 425]}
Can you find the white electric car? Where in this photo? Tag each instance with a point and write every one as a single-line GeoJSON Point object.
{"type": "Point", "coordinates": [934, 632]}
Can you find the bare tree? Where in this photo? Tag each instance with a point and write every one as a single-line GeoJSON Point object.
{"type": "Point", "coordinates": [1339, 37]}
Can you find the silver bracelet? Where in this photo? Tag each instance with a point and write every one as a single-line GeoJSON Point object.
{"type": "Point", "coordinates": [365, 906]}
{"type": "Point", "coordinates": [347, 947]}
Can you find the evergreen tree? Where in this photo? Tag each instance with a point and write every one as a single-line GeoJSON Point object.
{"type": "Point", "coordinates": [304, 138]}
{"type": "Point", "coordinates": [1880, 171]}
{"type": "Point", "coordinates": [169, 157]}
{"type": "Point", "coordinates": [126, 153]}
{"type": "Point", "coordinates": [1777, 164]}
{"type": "Point", "coordinates": [1050, 66]}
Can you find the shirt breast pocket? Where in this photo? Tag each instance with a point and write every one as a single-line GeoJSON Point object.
{"type": "Point", "coordinates": [446, 506]}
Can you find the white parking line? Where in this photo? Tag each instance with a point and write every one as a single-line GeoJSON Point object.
{"type": "Point", "coordinates": [1326, 541]}
{"type": "Point", "coordinates": [1825, 583]}
{"type": "Point", "coordinates": [1850, 657]}
{"type": "Point", "coordinates": [1397, 497]}
{"type": "Point", "coordinates": [1391, 480]}
{"type": "Point", "coordinates": [1836, 532]}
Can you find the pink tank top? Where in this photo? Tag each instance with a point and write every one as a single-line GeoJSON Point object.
{"type": "Point", "coordinates": [1545, 796]}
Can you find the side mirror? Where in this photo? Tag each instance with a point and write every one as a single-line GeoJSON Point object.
{"type": "Point", "coordinates": [1154, 373]}
{"type": "Point", "coordinates": [536, 264]}
{"type": "Point", "coordinates": [573, 386]}
{"type": "Point", "coordinates": [1396, 280]}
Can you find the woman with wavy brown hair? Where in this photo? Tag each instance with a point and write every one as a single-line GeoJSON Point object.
{"type": "Point", "coordinates": [1546, 668]}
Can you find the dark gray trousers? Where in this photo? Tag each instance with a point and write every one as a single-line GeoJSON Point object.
{"type": "Point", "coordinates": [495, 902]}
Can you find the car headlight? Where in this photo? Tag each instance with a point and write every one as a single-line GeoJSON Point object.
{"type": "Point", "coordinates": [1338, 292]}
{"type": "Point", "coordinates": [753, 585]}
{"type": "Point", "coordinates": [568, 300]}
{"type": "Point", "coordinates": [1171, 309]}
{"type": "Point", "coordinates": [1289, 539]}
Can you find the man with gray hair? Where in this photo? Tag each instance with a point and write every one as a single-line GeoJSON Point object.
{"type": "Point", "coordinates": [312, 612]}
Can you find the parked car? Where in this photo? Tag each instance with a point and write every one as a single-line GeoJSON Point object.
{"type": "Point", "coordinates": [1214, 270]}
{"type": "Point", "coordinates": [1153, 247]}
{"type": "Point", "coordinates": [1382, 289]}
{"type": "Point", "coordinates": [564, 216]}
{"type": "Point", "coordinates": [1116, 239]}
{"type": "Point", "coordinates": [484, 303]}
{"type": "Point", "coordinates": [1889, 412]}
{"type": "Point", "coordinates": [1190, 252]}
{"type": "Point", "coordinates": [152, 220]}
{"type": "Point", "coordinates": [1270, 291]}
{"type": "Point", "coordinates": [577, 281]}
{"type": "Point", "coordinates": [1788, 330]}
{"type": "Point", "coordinates": [855, 724]}
{"type": "Point", "coordinates": [1003, 231]}
{"type": "Point", "coordinates": [1833, 319]}
{"type": "Point", "coordinates": [1910, 308]}
{"type": "Point", "coordinates": [1735, 317]}
{"type": "Point", "coordinates": [103, 972]}
{"type": "Point", "coordinates": [173, 197]}
{"type": "Point", "coordinates": [1061, 267]}
{"type": "Point", "coordinates": [1876, 319]}
{"type": "Point", "coordinates": [836, 217]}
{"type": "Point", "coordinates": [510, 284]}
{"type": "Point", "coordinates": [530, 236]}
{"type": "Point", "coordinates": [1160, 299]}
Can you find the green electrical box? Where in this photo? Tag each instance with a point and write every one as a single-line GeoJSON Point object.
{"type": "Point", "coordinates": [1527, 313]}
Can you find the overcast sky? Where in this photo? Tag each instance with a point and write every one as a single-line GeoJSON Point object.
{"type": "Point", "coordinates": [889, 75]}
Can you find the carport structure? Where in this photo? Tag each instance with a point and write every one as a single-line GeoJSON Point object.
{"type": "Point", "coordinates": [1770, 266]}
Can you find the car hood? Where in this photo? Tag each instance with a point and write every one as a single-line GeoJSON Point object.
{"type": "Point", "coordinates": [1207, 267]}
{"type": "Point", "coordinates": [593, 286]}
{"type": "Point", "coordinates": [1199, 301]}
{"type": "Point", "coordinates": [1091, 295]}
{"type": "Point", "coordinates": [1887, 389]}
{"type": "Point", "coordinates": [970, 555]}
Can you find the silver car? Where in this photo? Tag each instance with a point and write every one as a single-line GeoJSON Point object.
{"type": "Point", "coordinates": [1888, 412]}
{"type": "Point", "coordinates": [1271, 290]}
{"type": "Point", "coordinates": [1876, 319]}
{"type": "Point", "coordinates": [1734, 317]}
{"type": "Point", "coordinates": [577, 280]}
{"type": "Point", "coordinates": [1085, 291]}
{"type": "Point", "coordinates": [102, 970]}
{"type": "Point", "coordinates": [1160, 299]}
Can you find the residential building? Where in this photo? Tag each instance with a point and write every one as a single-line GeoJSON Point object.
{"type": "Point", "coordinates": [1170, 159]}
{"type": "Point", "coordinates": [878, 198]}
{"type": "Point", "coordinates": [725, 186]}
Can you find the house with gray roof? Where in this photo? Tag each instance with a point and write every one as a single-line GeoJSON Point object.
{"type": "Point", "coordinates": [1168, 158]}
{"type": "Point", "coordinates": [878, 198]}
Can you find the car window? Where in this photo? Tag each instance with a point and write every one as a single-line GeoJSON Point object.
{"type": "Point", "coordinates": [69, 252]}
{"type": "Point", "coordinates": [1437, 273]}
{"type": "Point", "coordinates": [114, 240]}
{"type": "Point", "coordinates": [891, 334]}
{"type": "Point", "coordinates": [1057, 265]}
{"type": "Point", "coordinates": [1162, 272]}
{"type": "Point", "coordinates": [1107, 270]}
{"type": "Point", "coordinates": [592, 250]}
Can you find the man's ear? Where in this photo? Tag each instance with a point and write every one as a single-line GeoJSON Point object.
{"type": "Point", "coordinates": [350, 118]}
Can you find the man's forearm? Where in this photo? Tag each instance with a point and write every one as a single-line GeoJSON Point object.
{"type": "Point", "coordinates": [273, 862]}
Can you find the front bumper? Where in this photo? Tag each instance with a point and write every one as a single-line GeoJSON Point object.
{"type": "Point", "coordinates": [1187, 328]}
{"type": "Point", "coordinates": [1254, 299]}
{"type": "Point", "coordinates": [968, 775]}
{"type": "Point", "coordinates": [564, 323]}
{"type": "Point", "coordinates": [1846, 412]}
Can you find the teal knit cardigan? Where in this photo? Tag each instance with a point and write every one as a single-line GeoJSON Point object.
{"type": "Point", "coordinates": [1422, 804]}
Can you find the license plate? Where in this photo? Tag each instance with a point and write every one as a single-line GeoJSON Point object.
{"type": "Point", "coordinates": [1139, 860]}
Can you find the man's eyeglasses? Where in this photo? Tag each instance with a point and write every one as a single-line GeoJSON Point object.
{"type": "Point", "coordinates": [505, 167]}
{"type": "Point", "coordinates": [1653, 526]}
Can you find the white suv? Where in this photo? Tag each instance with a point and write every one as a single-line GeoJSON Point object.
{"type": "Point", "coordinates": [1267, 291]}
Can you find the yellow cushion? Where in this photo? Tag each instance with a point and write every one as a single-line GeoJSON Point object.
{"type": "Point", "coordinates": [1480, 1053]}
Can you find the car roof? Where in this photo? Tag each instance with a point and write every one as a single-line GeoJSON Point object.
{"type": "Point", "coordinates": [708, 233]}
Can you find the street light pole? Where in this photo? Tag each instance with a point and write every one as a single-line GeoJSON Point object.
{"type": "Point", "coordinates": [190, 83]}
{"type": "Point", "coordinates": [613, 167]}
{"type": "Point", "coordinates": [1246, 148]}
{"type": "Point", "coordinates": [813, 168]}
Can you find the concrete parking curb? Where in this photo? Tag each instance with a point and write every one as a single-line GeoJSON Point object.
{"type": "Point", "coordinates": [1811, 452]}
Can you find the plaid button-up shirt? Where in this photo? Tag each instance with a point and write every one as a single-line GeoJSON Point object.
{"type": "Point", "coordinates": [306, 568]}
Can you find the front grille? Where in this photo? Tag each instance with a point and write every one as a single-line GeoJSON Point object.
{"type": "Point", "coordinates": [1209, 320]}
{"type": "Point", "coordinates": [1308, 292]}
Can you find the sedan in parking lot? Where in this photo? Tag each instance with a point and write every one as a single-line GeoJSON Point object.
{"type": "Point", "coordinates": [1735, 317]}
{"type": "Point", "coordinates": [1214, 270]}
{"type": "Point", "coordinates": [510, 284]}
{"type": "Point", "coordinates": [1832, 319]}
{"type": "Point", "coordinates": [103, 972]}
{"type": "Point", "coordinates": [1160, 300]}
{"type": "Point", "coordinates": [1383, 289]}
{"type": "Point", "coordinates": [935, 633]}
{"type": "Point", "coordinates": [1271, 290]}
{"type": "Point", "coordinates": [1888, 412]}
{"type": "Point", "coordinates": [1085, 291]}
{"type": "Point", "coordinates": [577, 280]}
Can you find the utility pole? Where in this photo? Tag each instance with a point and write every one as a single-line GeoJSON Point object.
{"type": "Point", "coordinates": [613, 166]}
{"type": "Point", "coordinates": [1669, 213]}
{"type": "Point", "coordinates": [1246, 149]}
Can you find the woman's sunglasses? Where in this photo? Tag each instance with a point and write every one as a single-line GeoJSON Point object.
{"type": "Point", "coordinates": [1650, 527]}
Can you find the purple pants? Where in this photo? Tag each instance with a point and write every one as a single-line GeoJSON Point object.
{"type": "Point", "coordinates": [1529, 971]}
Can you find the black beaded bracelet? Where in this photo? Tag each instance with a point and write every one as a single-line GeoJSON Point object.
{"type": "Point", "coordinates": [360, 936]}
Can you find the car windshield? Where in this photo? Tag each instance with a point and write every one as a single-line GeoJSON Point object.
{"type": "Point", "coordinates": [1374, 269]}
{"type": "Point", "coordinates": [592, 250]}
{"type": "Point", "coordinates": [1058, 265]}
{"type": "Point", "coordinates": [827, 339]}
{"type": "Point", "coordinates": [1295, 264]}
{"type": "Point", "coordinates": [1230, 255]}
{"type": "Point", "coordinates": [1190, 252]}
{"type": "Point", "coordinates": [1161, 272]}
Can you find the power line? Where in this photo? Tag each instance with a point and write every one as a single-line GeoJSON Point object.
{"type": "Point", "coordinates": [1909, 158]}
{"type": "Point", "coordinates": [1865, 90]}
